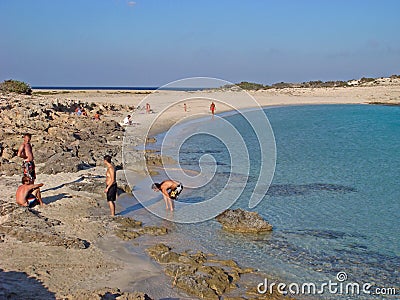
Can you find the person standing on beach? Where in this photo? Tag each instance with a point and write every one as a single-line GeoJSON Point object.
{"type": "Point", "coordinates": [147, 108]}
{"type": "Point", "coordinates": [28, 194]}
{"type": "Point", "coordinates": [170, 190]}
{"type": "Point", "coordinates": [212, 108]}
{"type": "Point", "coordinates": [78, 111]}
{"type": "Point", "coordinates": [111, 184]}
{"type": "Point", "coordinates": [25, 152]}
{"type": "Point", "coordinates": [184, 107]}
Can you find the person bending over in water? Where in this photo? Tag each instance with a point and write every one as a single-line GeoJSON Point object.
{"type": "Point", "coordinates": [28, 194]}
{"type": "Point", "coordinates": [170, 190]}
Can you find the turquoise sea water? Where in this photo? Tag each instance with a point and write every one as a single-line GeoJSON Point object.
{"type": "Point", "coordinates": [333, 202]}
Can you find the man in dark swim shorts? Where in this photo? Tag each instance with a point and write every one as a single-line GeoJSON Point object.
{"type": "Point", "coordinates": [111, 184]}
{"type": "Point", "coordinates": [32, 201]}
{"type": "Point", "coordinates": [112, 192]}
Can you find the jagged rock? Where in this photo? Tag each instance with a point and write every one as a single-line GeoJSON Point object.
{"type": "Point", "coordinates": [7, 208]}
{"type": "Point", "coordinates": [163, 254]}
{"type": "Point", "coordinates": [9, 168]}
{"type": "Point", "coordinates": [127, 229]}
{"type": "Point", "coordinates": [151, 140]}
{"type": "Point", "coordinates": [8, 153]}
{"type": "Point", "coordinates": [127, 223]}
{"type": "Point", "coordinates": [124, 187]}
{"type": "Point", "coordinates": [63, 162]}
{"type": "Point", "coordinates": [27, 226]}
{"type": "Point", "coordinates": [154, 159]}
{"type": "Point", "coordinates": [180, 269]}
{"type": "Point", "coordinates": [153, 230]}
{"type": "Point", "coordinates": [239, 220]}
{"type": "Point", "coordinates": [197, 285]}
{"type": "Point", "coordinates": [195, 274]}
{"type": "Point", "coordinates": [126, 235]}
{"type": "Point", "coordinates": [61, 140]}
{"type": "Point", "coordinates": [88, 185]}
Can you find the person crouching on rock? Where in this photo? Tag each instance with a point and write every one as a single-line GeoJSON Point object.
{"type": "Point", "coordinates": [170, 190]}
{"type": "Point", "coordinates": [28, 194]}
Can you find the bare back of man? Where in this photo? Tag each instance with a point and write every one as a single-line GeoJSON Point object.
{"type": "Point", "coordinates": [26, 153]}
{"type": "Point", "coordinates": [170, 190]}
{"type": "Point", "coordinates": [28, 193]}
{"type": "Point", "coordinates": [25, 150]}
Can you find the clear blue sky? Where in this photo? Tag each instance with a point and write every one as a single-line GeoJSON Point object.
{"type": "Point", "coordinates": [150, 43]}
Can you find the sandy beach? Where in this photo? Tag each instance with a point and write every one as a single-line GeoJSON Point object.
{"type": "Point", "coordinates": [71, 248]}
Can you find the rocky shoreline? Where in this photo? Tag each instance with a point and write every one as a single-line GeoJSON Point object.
{"type": "Point", "coordinates": [55, 249]}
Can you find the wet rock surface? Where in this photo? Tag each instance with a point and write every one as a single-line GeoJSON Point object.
{"type": "Point", "coordinates": [129, 229]}
{"type": "Point", "coordinates": [198, 274]}
{"type": "Point", "coordinates": [239, 220]}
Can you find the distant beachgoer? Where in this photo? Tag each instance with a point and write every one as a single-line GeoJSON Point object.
{"type": "Point", "coordinates": [212, 108]}
{"type": "Point", "coordinates": [147, 108]}
{"type": "Point", "coordinates": [84, 113]}
{"type": "Point", "coordinates": [184, 107]}
{"type": "Point", "coordinates": [96, 116]}
{"type": "Point", "coordinates": [26, 153]}
{"type": "Point", "coordinates": [111, 184]}
{"type": "Point", "coordinates": [170, 190]}
{"type": "Point", "coordinates": [128, 120]}
{"type": "Point", "coordinates": [28, 194]}
{"type": "Point", "coordinates": [78, 111]}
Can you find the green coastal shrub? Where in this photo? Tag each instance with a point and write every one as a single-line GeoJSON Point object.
{"type": "Point", "coordinates": [282, 85]}
{"type": "Point", "coordinates": [366, 79]}
{"type": "Point", "coordinates": [250, 85]}
{"type": "Point", "coordinates": [15, 86]}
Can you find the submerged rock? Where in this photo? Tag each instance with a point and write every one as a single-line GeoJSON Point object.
{"type": "Point", "coordinates": [153, 230]}
{"type": "Point", "coordinates": [126, 235]}
{"type": "Point", "coordinates": [239, 220]}
{"type": "Point", "coordinates": [195, 273]}
{"type": "Point", "coordinates": [129, 229]}
{"type": "Point", "coordinates": [154, 159]}
{"type": "Point", "coordinates": [127, 223]}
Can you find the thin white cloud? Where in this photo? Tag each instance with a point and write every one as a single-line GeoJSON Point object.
{"type": "Point", "coordinates": [131, 3]}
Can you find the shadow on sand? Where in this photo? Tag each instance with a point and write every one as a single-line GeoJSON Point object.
{"type": "Point", "coordinates": [18, 285]}
{"type": "Point", "coordinates": [51, 199]}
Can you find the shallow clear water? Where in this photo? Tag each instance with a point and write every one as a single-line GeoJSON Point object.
{"type": "Point", "coordinates": [333, 201]}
